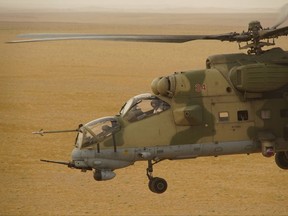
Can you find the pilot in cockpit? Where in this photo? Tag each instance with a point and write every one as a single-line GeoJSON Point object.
{"type": "Point", "coordinates": [157, 106]}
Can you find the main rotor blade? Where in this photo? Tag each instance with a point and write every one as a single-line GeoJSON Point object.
{"type": "Point", "coordinates": [283, 16]}
{"type": "Point", "coordinates": [272, 33]}
{"type": "Point", "coordinates": [119, 37]}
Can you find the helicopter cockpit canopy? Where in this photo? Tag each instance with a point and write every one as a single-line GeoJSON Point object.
{"type": "Point", "coordinates": [96, 131]}
{"type": "Point", "coordinates": [142, 106]}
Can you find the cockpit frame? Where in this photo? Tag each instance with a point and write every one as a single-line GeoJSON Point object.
{"type": "Point", "coordinates": [96, 131]}
{"type": "Point", "coordinates": [142, 106]}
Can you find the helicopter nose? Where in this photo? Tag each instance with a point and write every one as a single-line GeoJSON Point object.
{"type": "Point", "coordinates": [76, 154]}
{"type": "Point", "coordinates": [78, 159]}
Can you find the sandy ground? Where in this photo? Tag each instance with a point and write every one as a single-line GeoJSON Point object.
{"type": "Point", "coordinates": [57, 85]}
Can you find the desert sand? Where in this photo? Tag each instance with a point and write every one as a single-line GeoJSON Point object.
{"type": "Point", "coordinates": [58, 85]}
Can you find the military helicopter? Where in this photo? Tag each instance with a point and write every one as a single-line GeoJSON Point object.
{"type": "Point", "coordinates": [238, 104]}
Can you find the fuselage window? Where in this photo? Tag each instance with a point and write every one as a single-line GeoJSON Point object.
{"type": "Point", "coordinates": [265, 114]}
{"type": "Point", "coordinates": [242, 115]}
{"type": "Point", "coordinates": [223, 116]}
{"type": "Point", "coordinates": [284, 113]}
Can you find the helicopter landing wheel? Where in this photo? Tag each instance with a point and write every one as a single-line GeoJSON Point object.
{"type": "Point", "coordinates": [281, 159]}
{"type": "Point", "coordinates": [156, 184]}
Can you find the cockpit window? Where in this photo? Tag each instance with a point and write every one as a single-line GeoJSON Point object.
{"type": "Point", "coordinates": [96, 131]}
{"type": "Point", "coordinates": [143, 106]}
{"type": "Point", "coordinates": [79, 139]}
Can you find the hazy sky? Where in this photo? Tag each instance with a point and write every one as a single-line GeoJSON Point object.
{"type": "Point", "coordinates": [142, 4]}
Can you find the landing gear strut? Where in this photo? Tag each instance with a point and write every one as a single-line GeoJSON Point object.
{"type": "Point", "coordinates": [156, 184]}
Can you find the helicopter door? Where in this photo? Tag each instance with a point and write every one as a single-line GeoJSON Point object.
{"type": "Point", "coordinates": [232, 121]}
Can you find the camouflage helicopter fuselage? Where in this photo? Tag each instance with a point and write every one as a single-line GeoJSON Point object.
{"type": "Point", "coordinates": [237, 105]}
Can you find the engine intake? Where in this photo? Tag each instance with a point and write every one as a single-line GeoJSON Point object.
{"type": "Point", "coordinates": [259, 77]}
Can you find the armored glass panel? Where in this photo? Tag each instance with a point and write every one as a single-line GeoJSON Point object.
{"type": "Point", "coordinates": [79, 139]}
{"type": "Point", "coordinates": [96, 131]}
{"type": "Point", "coordinates": [146, 107]}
